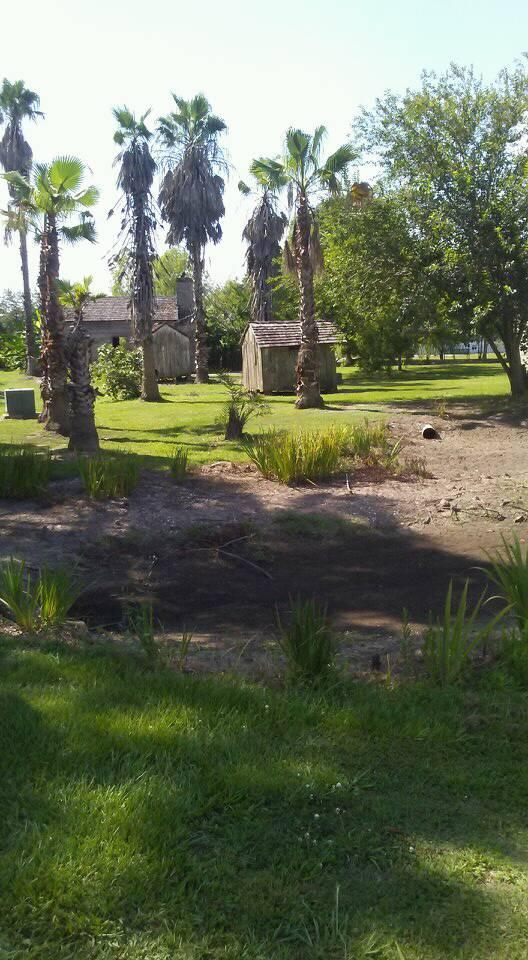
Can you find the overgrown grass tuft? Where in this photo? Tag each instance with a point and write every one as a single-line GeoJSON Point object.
{"type": "Point", "coordinates": [106, 477]}
{"type": "Point", "coordinates": [450, 642]}
{"type": "Point", "coordinates": [179, 463]}
{"type": "Point", "coordinates": [307, 641]}
{"type": "Point", "coordinates": [33, 604]}
{"type": "Point", "coordinates": [296, 458]}
{"type": "Point", "coordinates": [508, 571]}
{"type": "Point", "coordinates": [24, 472]}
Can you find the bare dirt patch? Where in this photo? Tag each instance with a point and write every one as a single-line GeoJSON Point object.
{"type": "Point", "coordinates": [217, 553]}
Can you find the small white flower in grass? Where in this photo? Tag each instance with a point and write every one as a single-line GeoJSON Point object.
{"type": "Point", "coordinates": [316, 816]}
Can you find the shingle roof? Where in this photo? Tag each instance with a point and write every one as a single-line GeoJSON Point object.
{"type": "Point", "coordinates": [115, 310]}
{"type": "Point", "coordinates": [289, 334]}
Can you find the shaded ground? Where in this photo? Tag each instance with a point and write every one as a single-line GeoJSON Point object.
{"type": "Point", "coordinates": [219, 552]}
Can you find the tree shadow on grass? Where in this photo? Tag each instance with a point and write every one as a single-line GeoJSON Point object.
{"type": "Point", "coordinates": [209, 811]}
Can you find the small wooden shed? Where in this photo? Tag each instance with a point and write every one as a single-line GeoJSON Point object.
{"type": "Point", "coordinates": [269, 356]}
{"type": "Point", "coordinates": [172, 352]}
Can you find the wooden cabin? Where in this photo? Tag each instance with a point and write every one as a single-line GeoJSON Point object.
{"type": "Point", "coordinates": [107, 320]}
{"type": "Point", "coordinates": [269, 356]}
{"type": "Point", "coordinates": [172, 352]}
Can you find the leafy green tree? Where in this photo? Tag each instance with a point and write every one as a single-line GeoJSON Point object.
{"type": "Point", "coordinates": [83, 433]}
{"type": "Point", "coordinates": [263, 234]}
{"type": "Point", "coordinates": [456, 147]}
{"type": "Point", "coordinates": [55, 193]}
{"type": "Point", "coordinates": [307, 177]}
{"type": "Point", "coordinates": [136, 177]}
{"type": "Point", "coordinates": [168, 268]}
{"type": "Point", "coordinates": [228, 313]}
{"type": "Point", "coordinates": [191, 195]}
{"type": "Point", "coordinates": [18, 103]}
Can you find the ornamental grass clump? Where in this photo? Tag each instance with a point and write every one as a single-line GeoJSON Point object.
{"type": "Point", "coordinates": [107, 477]}
{"type": "Point", "coordinates": [307, 641]}
{"type": "Point", "coordinates": [450, 642]}
{"type": "Point", "coordinates": [24, 473]}
{"type": "Point", "coordinates": [43, 602]}
{"type": "Point", "coordinates": [508, 571]}
{"type": "Point", "coordinates": [297, 458]}
{"type": "Point", "coordinates": [178, 463]}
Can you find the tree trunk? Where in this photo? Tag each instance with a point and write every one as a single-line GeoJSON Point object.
{"type": "Point", "coordinates": [56, 410]}
{"type": "Point", "coordinates": [83, 434]}
{"type": "Point", "coordinates": [512, 364]}
{"type": "Point", "coordinates": [307, 369]}
{"type": "Point", "coordinates": [201, 351]}
{"type": "Point", "coordinates": [149, 385]}
{"type": "Point", "coordinates": [32, 367]}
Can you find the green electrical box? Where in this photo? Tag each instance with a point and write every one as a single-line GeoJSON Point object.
{"type": "Point", "coordinates": [20, 404]}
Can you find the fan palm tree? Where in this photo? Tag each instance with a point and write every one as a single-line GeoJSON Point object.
{"type": "Point", "coordinates": [191, 195]}
{"type": "Point", "coordinates": [83, 433]}
{"type": "Point", "coordinates": [307, 177]}
{"type": "Point", "coordinates": [136, 176]}
{"type": "Point", "coordinates": [263, 234]}
{"type": "Point", "coordinates": [55, 193]}
{"type": "Point", "coordinates": [18, 103]}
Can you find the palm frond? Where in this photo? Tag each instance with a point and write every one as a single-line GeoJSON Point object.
{"type": "Point", "coordinates": [66, 174]}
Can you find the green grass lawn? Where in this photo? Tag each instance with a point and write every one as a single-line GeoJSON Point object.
{"type": "Point", "coordinates": [158, 816]}
{"type": "Point", "coordinates": [188, 414]}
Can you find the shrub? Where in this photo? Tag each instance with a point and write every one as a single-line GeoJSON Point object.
{"type": "Point", "coordinates": [178, 463]}
{"type": "Point", "coordinates": [307, 641]}
{"type": "Point", "coordinates": [239, 407]}
{"type": "Point", "coordinates": [24, 472]}
{"type": "Point", "coordinates": [12, 350]}
{"type": "Point", "coordinates": [509, 572]}
{"type": "Point", "coordinates": [117, 371]}
{"type": "Point", "coordinates": [106, 477]}
{"type": "Point", "coordinates": [293, 458]}
{"type": "Point", "coordinates": [42, 603]}
{"type": "Point", "coordinates": [450, 642]}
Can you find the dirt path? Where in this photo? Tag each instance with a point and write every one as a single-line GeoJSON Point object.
{"type": "Point", "coordinates": [220, 551]}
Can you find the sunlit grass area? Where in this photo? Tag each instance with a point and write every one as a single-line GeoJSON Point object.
{"type": "Point", "coordinates": [189, 413]}
{"type": "Point", "coordinates": [174, 817]}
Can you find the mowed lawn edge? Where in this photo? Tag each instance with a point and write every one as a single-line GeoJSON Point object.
{"type": "Point", "coordinates": [189, 414]}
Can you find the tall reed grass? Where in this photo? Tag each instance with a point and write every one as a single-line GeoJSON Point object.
{"type": "Point", "coordinates": [24, 473]}
{"type": "Point", "coordinates": [106, 477]}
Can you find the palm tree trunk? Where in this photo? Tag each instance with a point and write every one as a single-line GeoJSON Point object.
{"type": "Point", "coordinates": [149, 386]}
{"type": "Point", "coordinates": [201, 351]}
{"type": "Point", "coordinates": [31, 354]}
{"type": "Point", "coordinates": [55, 412]}
{"type": "Point", "coordinates": [307, 369]}
{"type": "Point", "coordinates": [83, 434]}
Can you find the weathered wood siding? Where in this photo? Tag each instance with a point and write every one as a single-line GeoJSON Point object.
{"type": "Point", "coordinates": [172, 353]}
{"type": "Point", "coordinates": [251, 363]}
{"type": "Point", "coordinates": [278, 369]}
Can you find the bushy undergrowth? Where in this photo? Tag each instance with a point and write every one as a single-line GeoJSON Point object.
{"type": "Point", "coordinates": [240, 406]}
{"type": "Point", "coordinates": [12, 350]}
{"type": "Point", "coordinates": [23, 472]}
{"type": "Point", "coordinates": [106, 477]}
{"type": "Point", "coordinates": [45, 601]}
{"type": "Point", "coordinates": [294, 458]}
{"type": "Point", "coordinates": [117, 372]}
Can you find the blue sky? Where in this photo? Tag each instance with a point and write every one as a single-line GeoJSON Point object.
{"type": "Point", "coordinates": [263, 66]}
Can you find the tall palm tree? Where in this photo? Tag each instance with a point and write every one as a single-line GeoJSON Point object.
{"type": "Point", "coordinates": [136, 176]}
{"type": "Point", "coordinates": [55, 193]}
{"type": "Point", "coordinates": [18, 103]}
{"type": "Point", "coordinates": [191, 195]}
{"type": "Point", "coordinates": [83, 433]}
{"type": "Point", "coordinates": [307, 177]}
{"type": "Point", "coordinates": [263, 234]}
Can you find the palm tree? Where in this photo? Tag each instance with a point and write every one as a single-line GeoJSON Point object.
{"type": "Point", "coordinates": [55, 193]}
{"type": "Point", "coordinates": [83, 433]}
{"type": "Point", "coordinates": [191, 195]}
{"type": "Point", "coordinates": [263, 234]}
{"type": "Point", "coordinates": [306, 177]}
{"type": "Point", "coordinates": [17, 104]}
{"type": "Point", "coordinates": [135, 179]}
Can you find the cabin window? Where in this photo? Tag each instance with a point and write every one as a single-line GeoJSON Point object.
{"type": "Point", "coordinates": [115, 341]}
